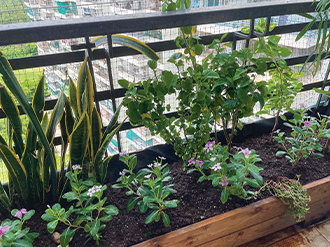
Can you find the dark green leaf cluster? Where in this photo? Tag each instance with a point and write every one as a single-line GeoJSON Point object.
{"type": "Point", "coordinates": [148, 188]}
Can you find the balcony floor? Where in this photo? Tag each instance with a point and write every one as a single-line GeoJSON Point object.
{"type": "Point", "coordinates": [317, 235]}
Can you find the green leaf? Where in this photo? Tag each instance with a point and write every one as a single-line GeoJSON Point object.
{"type": "Point", "coordinates": [142, 206]}
{"type": "Point", "coordinates": [284, 52]}
{"type": "Point", "coordinates": [224, 195]}
{"type": "Point", "coordinates": [51, 226]}
{"type": "Point", "coordinates": [152, 64]}
{"type": "Point", "coordinates": [151, 217]}
{"type": "Point", "coordinates": [166, 219]}
{"type": "Point", "coordinates": [17, 172]}
{"type": "Point", "coordinates": [201, 179]}
{"type": "Point", "coordinates": [210, 74]}
{"type": "Point", "coordinates": [123, 83]}
{"type": "Point", "coordinates": [280, 153]}
{"type": "Point", "coordinates": [131, 203]}
{"type": "Point", "coordinates": [106, 218]}
{"type": "Point", "coordinates": [135, 44]}
{"type": "Point", "coordinates": [66, 235]}
{"type": "Point", "coordinates": [79, 141]}
{"type": "Point", "coordinates": [171, 204]}
{"type": "Point", "coordinates": [111, 210]}
{"type": "Point", "coordinates": [95, 227]}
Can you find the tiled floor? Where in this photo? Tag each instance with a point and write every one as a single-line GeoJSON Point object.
{"type": "Point", "coordinates": [317, 235]}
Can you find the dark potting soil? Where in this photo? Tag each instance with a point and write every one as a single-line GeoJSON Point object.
{"type": "Point", "coordinates": [197, 201]}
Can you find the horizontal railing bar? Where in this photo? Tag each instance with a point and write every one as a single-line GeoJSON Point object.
{"type": "Point", "coordinates": [19, 33]}
{"type": "Point", "coordinates": [79, 56]}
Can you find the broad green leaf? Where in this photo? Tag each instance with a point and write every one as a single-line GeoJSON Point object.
{"type": "Point", "coordinates": [111, 210]}
{"type": "Point", "coordinates": [123, 83]}
{"type": "Point", "coordinates": [53, 121]}
{"type": "Point", "coordinates": [112, 124]}
{"type": "Point", "coordinates": [135, 44]}
{"type": "Point", "coordinates": [78, 141]}
{"type": "Point", "coordinates": [9, 107]}
{"type": "Point", "coordinates": [51, 226]}
{"type": "Point", "coordinates": [101, 173]}
{"type": "Point", "coordinates": [17, 172]}
{"type": "Point", "coordinates": [151, 217]}
{"type": "Point", "coordinates": [73, 97]}
{"type": "Point", "coordinates": [166, 219]}
{"type": "Point", "coordinates": [95, 227]}
{"type": "Point", "coordinates": [224, 195]}
{"type": "Point", "coordinates": [66, 235]}
{"type": "Point", "coordinates": [96, 131]}
{"type": "Point", "coordinates": [131, 203]}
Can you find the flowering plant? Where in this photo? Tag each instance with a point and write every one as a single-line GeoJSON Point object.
{"type": "Point", "coordinates": [230, 174]}
{"type": "Point", "coordinates": [306, 132]}
{"type": "Point", "coordinates": [11, 232]}
{"type": "Point", "coordinates": [148, 187]}
{"type": "Point", "coordinates": [88, 213]}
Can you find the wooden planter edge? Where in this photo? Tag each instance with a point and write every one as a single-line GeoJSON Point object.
{"type": "Point", "coordinates": [244, 224]}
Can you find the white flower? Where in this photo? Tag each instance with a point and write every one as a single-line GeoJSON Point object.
{"type": "Point", "coordinates": [213, 159]}
{"type": "Point", "coordinates": [162, 158]}
{"type": "Point", "coordinates": [98, 188]}
{"type": "Point", "coordinates": [147, 176]}
{"type": "Point", "coordinates": [216, 167]}
{"type": "Point", "coordinates": [90, 192]}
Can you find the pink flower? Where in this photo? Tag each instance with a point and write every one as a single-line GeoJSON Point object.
{"type": "Point", "coordinates": [75, 167]}
{"type": "Point", "coordinates": [302, 106]}
{"type": "Point", "coordinates": [90, 192]}
{"type": "Point", "coordinates": [191, 161]}
{"type": "Point", "coordinates": [98, 188]}
{"type": "Point", "coordinates": [150, 165]}
{"type": "Point", "coordinates": [209, 146]}
{"type": "Point", "coordinates": [216, 167]}
{"type": "Point", "coordinates": [3, 230]}
{"type": "Point", "coordinates": [122, 173]}
{"type": "Point", "coordinates": [123, 153]}
{"type": "Point", "coordinates": [246, 152]}
{"type": "Point", "coordinates": [224, 181]}
{"type": "Point", "coordinates": [306, 124]}
{"type": "Point", "coordinates": [20, 213]}
{"type": "Point", "coordinates": [200, 163]}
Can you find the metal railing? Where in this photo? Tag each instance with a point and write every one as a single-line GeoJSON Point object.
{"type": "Point", "coordinates": [86, 27]}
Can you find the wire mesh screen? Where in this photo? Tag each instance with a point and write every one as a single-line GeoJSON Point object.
{"type": "Point", "coordinates": [131, 68]}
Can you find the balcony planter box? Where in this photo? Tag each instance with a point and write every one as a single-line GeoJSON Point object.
{"type": "Point", "coordinates": [245, 224]}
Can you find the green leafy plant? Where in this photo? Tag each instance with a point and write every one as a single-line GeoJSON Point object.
{"type": "Point", "coordinates": [283, 85]}
{"type": "Point", "coordinates": [306, 133]}
{"type": "Point", "coordinates": [88, 214]}
{"type": "Point", "coordinates": [11, 232]}
{"type": "Point", "coordinates": [32, 166]}
{"type": "Point", "coordinates": [148, 188]}
{"type": "Point", "coordinates": [229, 174]}
{"type": "Point", "coordinates": [83, 126]}
{"type": "Point", "coordinates": [322, 46]}
{"type": "Point", "coordinates": [292, 193]}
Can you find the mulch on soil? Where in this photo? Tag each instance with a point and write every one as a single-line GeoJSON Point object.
{"type": "Point", "coordinates": [197, 201]}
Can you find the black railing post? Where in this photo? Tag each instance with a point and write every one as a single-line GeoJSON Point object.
{"type": "Point", "coordinates": [108, 55]}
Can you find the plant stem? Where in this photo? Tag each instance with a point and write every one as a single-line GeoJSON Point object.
{"type": "Point", "coordinates": [275, 125]}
